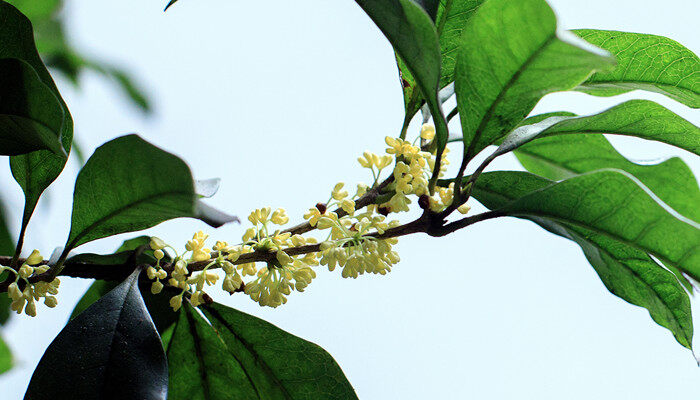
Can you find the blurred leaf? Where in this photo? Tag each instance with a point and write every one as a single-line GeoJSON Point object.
{"type": "Point", "coordinates": [639, 118]}
{"type": "Point", "coordinates": [37, 170]}
{"type": "Point", "coordinates": [201, 366]}
{"type": "Point", "coordinates": [111, 350]}
{"type": "Point", "coordinates": [170, 3]}
{"type": "Point", "coordinates": [132, 90]}
{"type": "Point", "coordinates": [645, 62]}
{"type": "Point", "coordinates": [30, 115]}
{"type": "Point", "coordinates": [627, 272]}
{"type": "Point", "coordinates": [128, 185]}
{"type": "Point", "coordinates": [414, 37]}
{"type": "Point", "coordinates": [58, 53]}
{"type": "Point", "coordinates": [6, 361]}
{"type": "Point", "coordinates": [510, 56]}
{"type": "Point", "coordinates": [278, 364]}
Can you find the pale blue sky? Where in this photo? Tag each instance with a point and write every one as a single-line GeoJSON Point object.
{"type": "Point", "coordinates": [278, 98]}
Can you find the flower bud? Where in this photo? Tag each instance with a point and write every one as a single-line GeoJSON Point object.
{"type": "Point", "coordinates": [157, 243]}
{"type": "Point", "coordinates": [156, 287]}
{"type": "Point", "coordinates": [159, 254]}
{"type": "Point", "coordinates": [50, 301]}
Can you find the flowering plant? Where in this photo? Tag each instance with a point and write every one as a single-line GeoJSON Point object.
{"type": "Point", "coordinates": [148, 318]}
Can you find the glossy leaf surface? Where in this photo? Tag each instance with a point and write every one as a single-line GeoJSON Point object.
{"type": "Point", "coordinates": [645, 62]}
{"type": "Point", "coordinates": [128, 185]}
{"type": "Point", "coordinates": [279, 365]}
{"type": "Point", "coordinates": [510, 56]}
{"type": "Point", "coordinates": [110, 351]}
{"type": "Point", "coordinates": [201, 368]}
{"type": "Point", "coordinates": [639, 118]}
{"type": "Point", "coordinates": [37, 170]}
{"type": "Point", "coordinates": [30, 115]}
{"type": "Point", "coordinates": [626, 271]}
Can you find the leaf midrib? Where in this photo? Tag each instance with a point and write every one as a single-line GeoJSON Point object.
{"type": "Point", "coordinates": [120, 210]}
{"type": "Point", "coordinates": [263, 364]}
{"type": "Point", "coordinates": [511, 82]}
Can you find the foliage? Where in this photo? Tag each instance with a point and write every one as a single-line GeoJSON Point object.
{"type": "Point", "coordinates": [637, 225]}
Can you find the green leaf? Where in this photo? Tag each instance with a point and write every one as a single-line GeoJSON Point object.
{"type": "Point", "coordinates": [561, 157]}
{"type": "Point", "coordinates": [158, 305]}
{"type": "Point", "coordinates": [59, 55]}
{"type": "Point", "coordinates": [627, 272]}
{"type": "Point", "coordinates": [111, 350]}
{"type": "Point", "coordinates": [645, 62]}
{"type": "Point", "coordinates": [414, 37]}
{"type": "Point", "coordinates": [6, 361]}
{"type": "Point", "coordinates": [457, 13]}
{"type": "Point", "coordinates": [614, 203]}
{"type": "Point", "coordinates": [7, 248]}
{"type": "Point", "coordinates": [280, 365]}
{"type": "Point", "coordinates": [639, 118]}
{"type": "Point", "coordinates": [30, 115]}
{"type": "Point", "coordinates": [452, 16]}
{"type": "Point", "coordinates": [37, 170]}
{"type": "Point", "coordinates": [128, 185]}
{"type": "Point", "coordinates": [201, 366]}
{"type": "Point", "coordinates": [510, 56]}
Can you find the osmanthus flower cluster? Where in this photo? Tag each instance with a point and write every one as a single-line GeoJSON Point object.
{"type": "Point", "coordinates": [25, 299]}
{"type": "Point", "coordinates": [353, 241]}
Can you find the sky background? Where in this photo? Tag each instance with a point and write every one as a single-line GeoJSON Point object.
{"type": "Point", "coordinates": [278, 98]}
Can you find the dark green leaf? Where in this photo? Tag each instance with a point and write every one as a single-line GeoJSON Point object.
{"type": "Point", "coordinates": [7, 248]}
{"type": "Point", "coordinates": [640, 118]}
{"type": "Point", "coordinates": [158, 305]}
{"type": "Point", "coordinates": [645, 62]}
{"type": "Point", "coordinates": [430, 6]}
{"type": "Point", "coordinates": [627, 272]}
{"type": "Point", "coordinates": [414, 37]}
{"type": "Point", "coordinates": [280, 365]}
{"type": "Point", "coordinates": [201, 368]}
{"type": "Point", "coordinates": [6, 361]}
{"type": "Point", "coordinates": [37, 170]}
{"type": "Point", "coordinates": [561, 157]}
{"type": "Point", "coordinates": [30, 115]}
{"type": "Point", "coordinates": [128, 185]}
{"type": "Point", "coordinates": [510, 56]}
{"type": "Point", "coordinates": [110, 351]}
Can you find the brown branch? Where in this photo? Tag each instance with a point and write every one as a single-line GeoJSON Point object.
{"type": "Point", "coordinates": [368, 198]}
{"type": "Point", "coordinates": [430, 223]}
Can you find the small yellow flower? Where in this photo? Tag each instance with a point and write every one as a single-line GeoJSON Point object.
{"type": "Point", "coordinates": [313, 216]}
{"type": "Point", "coordinates": [156, 287]}
{"type": "Point", "coordinates": [427, 131]}
{"type": "Point", "coordinates": [26, 271]}
{"type": "Point", "coordinates": [464, 209]}
{"type": "Point", "coordinates": [279, 217]}
{"type": "Point", "coordinates": [338, 193]}
{"type": "Point", "coordinates": [176, 302]}
{"type": "Point", "coordinates": [158, 254]}
{"type": "Point", "coordinates": [348, 206]}
{"type": "Point", "coordinates": [34, 258]}
{"type": "Point", "coordinates": [50, 301]}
